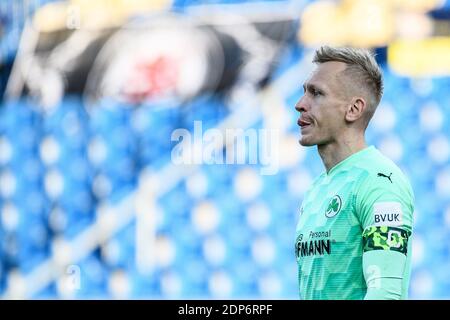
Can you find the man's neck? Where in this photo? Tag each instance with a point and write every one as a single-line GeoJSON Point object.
{"type": "Point", "coordinates": [335, 152]}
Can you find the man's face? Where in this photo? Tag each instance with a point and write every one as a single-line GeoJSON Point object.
{"type": "Point", "coordinates": [322, 107]}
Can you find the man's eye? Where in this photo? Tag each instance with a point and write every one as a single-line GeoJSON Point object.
{"type": "Point", "coordinates": [315, 93]}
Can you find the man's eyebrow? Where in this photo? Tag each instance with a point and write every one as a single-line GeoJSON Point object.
{"type": "Point", "coordinates": [311, 86]}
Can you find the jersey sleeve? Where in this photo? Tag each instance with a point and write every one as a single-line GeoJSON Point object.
{"type": "Point", "coordinates": [384, 205]}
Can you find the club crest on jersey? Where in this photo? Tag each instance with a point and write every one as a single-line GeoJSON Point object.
{"type": "Point", "coordinates": [334, 206]}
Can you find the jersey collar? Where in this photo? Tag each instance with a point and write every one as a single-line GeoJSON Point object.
{"type": "Point", "coordinates": [350, 160]}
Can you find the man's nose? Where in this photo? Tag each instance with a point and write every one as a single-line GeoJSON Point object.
{"type": "Point", "coordinates": [300, 106]}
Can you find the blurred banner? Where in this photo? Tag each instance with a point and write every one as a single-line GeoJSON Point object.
{"type": "Point", "coordinates": [154, 56]}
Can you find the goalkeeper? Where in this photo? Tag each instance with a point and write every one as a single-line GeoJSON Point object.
{"type": "Point", "coordinates": [353, 237]}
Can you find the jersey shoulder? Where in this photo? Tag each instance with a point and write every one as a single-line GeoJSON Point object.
{"type": "Point", "coordinates": [378, 171]}
{"type": "Point", "coordinates": [383, 190]}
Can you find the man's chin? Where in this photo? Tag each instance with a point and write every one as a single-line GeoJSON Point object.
{"type": "Point", "coordinates": [305, 143]}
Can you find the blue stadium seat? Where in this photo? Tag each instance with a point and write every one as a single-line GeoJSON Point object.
{"type": "Point", "coordinates": [110, 123]}
{"type": "Point", "coordinates": [66, 133]}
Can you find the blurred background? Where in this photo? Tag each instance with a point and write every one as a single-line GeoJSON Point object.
{"type": "Point", "coordinates": [91, 205]}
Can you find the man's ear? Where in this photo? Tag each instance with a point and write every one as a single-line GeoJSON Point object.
{"type": "Point", "coordinates": [356, 109]}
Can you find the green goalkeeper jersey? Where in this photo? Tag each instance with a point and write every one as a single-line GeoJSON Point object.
{"type": "Point", "coordinates": [353, 237]}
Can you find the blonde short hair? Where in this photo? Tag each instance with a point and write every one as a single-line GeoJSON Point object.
{"type": "Point", "coordinates": [361, 67]}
